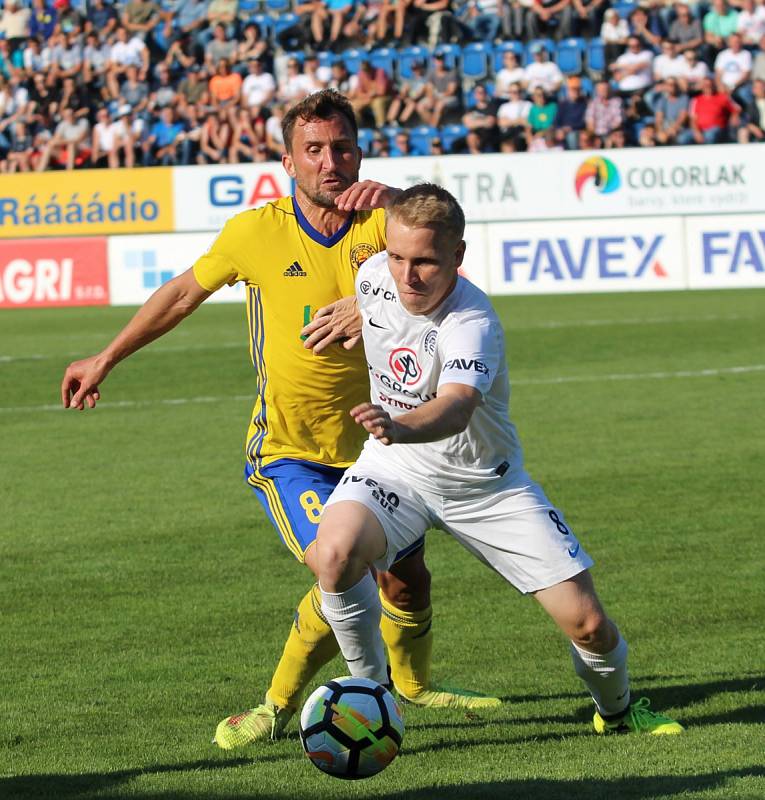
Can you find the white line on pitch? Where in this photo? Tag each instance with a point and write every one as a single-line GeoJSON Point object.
{"type": "Point", "coordinates": [544, 325]}
{"type": "Point", "coordinates": [640, 376]}
{"type": "Point", "coordinates": [614, 376]}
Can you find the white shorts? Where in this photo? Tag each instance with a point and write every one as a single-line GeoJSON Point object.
{"type": "Point", "coordinates": [514, 529]}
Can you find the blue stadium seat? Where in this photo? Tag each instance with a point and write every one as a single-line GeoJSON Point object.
{"type": "Point", "coordinates": [280, 6]}
{"type": "Point", "coordinates": [408, 56]}
{"type": "Point", "coordinates": [284, 21]}
{"type": "Point", "coordinates": [596, 58]}
{"type": "Point", "coordinates": [385, 58]}
{"type": "Point", "coordinates": [570, 55]}
{"type": "Point", "coordinates": [451, 54]}
{"type": "Point", "coordinates": [420, 139]}
{"type": "Point", "coordinates": [352, 59]}
{"type": "Point", "coordinates": [587, 86]}
{"type": "Point", "coordinates": [499, 50]}
{"type": "Point", "coordinates": [264, 22]}
{"type": "Point", "coordinates": [450, 134]}
{"type": "Point", "coordinates": [469, 96]}
{"type": "Point", "coordinates": [327, 58]}
{"type": "Point", "coordinates": [548, 45]}
{"type": "Point", "coordinates": [390, 132]}
{"type": "Point", "coordinates": [248, 8]}
{"type": "Point", "coordinates": [366, 136]}
{"type": "Point", "coordinates": [624, 9]}
{"type": "Point", "coordinates": [475, 60]}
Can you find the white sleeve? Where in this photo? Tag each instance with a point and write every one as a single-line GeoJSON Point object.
{"type": "Point", "coordinates": [469, 354]}
{"type": "Point", "coordinates": [366, 270]}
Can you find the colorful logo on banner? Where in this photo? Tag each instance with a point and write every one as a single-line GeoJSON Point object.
{"type": "Point", "coordinates": [601, 171]}
{"type": "Point", "coordinates": [146, 262]}
{"type": "Point", "coordinates": [53, 272]}
{"type": "Point", "coordinates": [87, 202]}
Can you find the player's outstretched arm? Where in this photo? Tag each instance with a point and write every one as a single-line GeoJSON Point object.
{"type": "Point", "coordinates": [171, 303]}
{"type": "Point", "coordinates": [366, 196]}
{"type": "Point", "coordinates": [444, 416]}
{"type": "Point", "coordinates": [338, 322]}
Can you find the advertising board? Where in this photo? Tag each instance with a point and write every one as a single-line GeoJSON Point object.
{"type": "Point", "coordinates": [611, 183]}
{"type": "Point", "coordinates": [53, 272]}
{"type": "Point", "coordinates": [586, 256]}
{"type": "Point", "coordinates": [205, 197]}
{"type": "Point", "coordinates": [138, 265]}
{"type": "Point", "coordinates": [726, 251]}
{"type": "Point", "coordinates": [86, 202]}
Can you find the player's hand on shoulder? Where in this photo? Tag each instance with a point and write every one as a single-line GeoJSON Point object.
{"type": "Point", "coordinates": [338, 322]}
{"type": "Point", "coordinates": [366, 196]}
{"type": "Point", "coordinates": [80, 384]}
{"type": "Point", "coordinates": [375, 421]}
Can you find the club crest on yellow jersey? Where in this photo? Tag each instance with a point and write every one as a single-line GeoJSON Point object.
{"type": "Point", "coordinates": [360, 253]}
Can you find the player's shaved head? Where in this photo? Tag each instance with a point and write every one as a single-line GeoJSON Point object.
{"type": "Point", "coordinates": [320, 105]}
{"type": "Point", "coordinates": [426, 205]}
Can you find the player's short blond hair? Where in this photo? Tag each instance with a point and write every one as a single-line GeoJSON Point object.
{"type": "Point", "coordinates": [427, 205]}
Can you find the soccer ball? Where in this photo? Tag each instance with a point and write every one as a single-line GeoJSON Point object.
{"type": "Point", "coordinates": [351, 728]}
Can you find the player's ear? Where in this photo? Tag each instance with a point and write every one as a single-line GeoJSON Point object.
{"type": "Point", "coordinates": [459, 254]}
{"type": "Point", "coordinates": [289, 167]}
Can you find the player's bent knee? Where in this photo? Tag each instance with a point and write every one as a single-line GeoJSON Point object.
{"type": "Point", "coordinates": [349, 539]}
{"type": "Point", "coordinates": [594, 631]}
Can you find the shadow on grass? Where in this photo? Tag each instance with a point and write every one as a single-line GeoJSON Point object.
{"type": "Point", "coordinates": [625, 788]}
{"type": "Point", "coordinates": [68, 787]}
{"type": "Point", "coordinates": [662, 697]}
{"type": "Point", "coordinates": [669, 694]}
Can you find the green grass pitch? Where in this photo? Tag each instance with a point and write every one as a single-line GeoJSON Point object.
{"type": "Point", "coordinates": [143, 596]}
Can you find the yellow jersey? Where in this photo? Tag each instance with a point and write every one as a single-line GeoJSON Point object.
{"type": "Point", "coordinates": [291, 270]}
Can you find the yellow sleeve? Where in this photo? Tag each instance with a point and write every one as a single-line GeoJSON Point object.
{"type": "Point", "coordinates": [221, 263]}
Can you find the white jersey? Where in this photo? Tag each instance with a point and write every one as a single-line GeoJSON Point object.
{"type": "Point", "coordinates": [410, 356]}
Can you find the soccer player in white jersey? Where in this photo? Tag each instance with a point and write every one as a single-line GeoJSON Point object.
{"type": "Point", "coordinates": [443, 453]}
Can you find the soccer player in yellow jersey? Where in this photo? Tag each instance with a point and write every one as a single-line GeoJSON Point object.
{"type": "Point", "coordinates": [298, 255]}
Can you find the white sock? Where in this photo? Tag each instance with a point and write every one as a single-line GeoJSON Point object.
{"type": "Point", "coordinates": [355, 619]}
{"type": "Point", "coordinates": [605, 676]}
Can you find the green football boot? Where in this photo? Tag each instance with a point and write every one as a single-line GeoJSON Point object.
{"type": "Point", "coordinates": [638, 718]}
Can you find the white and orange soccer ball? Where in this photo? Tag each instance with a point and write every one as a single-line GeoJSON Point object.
{"type": "Point", "coordinates": [351, 728]}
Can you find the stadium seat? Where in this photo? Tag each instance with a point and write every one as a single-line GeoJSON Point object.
{"type": "Point", "coordinates": [298, 55]}
{"type": "Point", "coordinates": [366, 136]}
{"type": "Point", "coordinates": [596, 58]}
{"type": "Point", "coordinates": [420, 139]}
{"type": "Point", "coordinates": [352, 58]}
{"type": "Point", "coordinates": [451, 54]}
{"type": "Point", "coordinates": [570, 55]}
{"type": "Point", "coordinates": [586, 86]}
{"type": "Point", "coordinates": [408, 56]}
{"type": "Point", "coordinates": [624, 9]}
{"type": "Point", "coordinates": [475, 60]}
{"type": "Point", "coordinates": [327, 58]}
{"type": "Point", "coordinates": [548, 45]}
{"type": "Point", "coordinates": [451, 134]}
{"type": "Point", "coordinates": [500, 49]}
{"type": "Point", "coordinates": [264, 22]}
{"type": "Point", "coordinates": [469, 96]}
{"type": "Point", "coordinates": [283, 22]}
{"type": "Point", "coordinates": [385, 58]}
{"type": "Point", "coordinates": [248, 8]}
{"type": "Point", "coordinates": [278, 6]}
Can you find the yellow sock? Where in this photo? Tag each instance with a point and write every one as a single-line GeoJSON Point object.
{"type": "Point", "coordinates": [409, 639]}
{"type": "Point", "coordinates": [310, 645]}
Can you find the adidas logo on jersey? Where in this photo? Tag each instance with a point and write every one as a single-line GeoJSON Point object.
{"type": "Point", "coordinates": [294, 270]}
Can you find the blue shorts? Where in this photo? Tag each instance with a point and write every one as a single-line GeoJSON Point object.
{"type": "Point", "coordinates": [293, 494]}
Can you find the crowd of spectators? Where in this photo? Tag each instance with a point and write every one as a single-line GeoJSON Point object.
{"type": "Point", "coordinates": [88, 83]}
